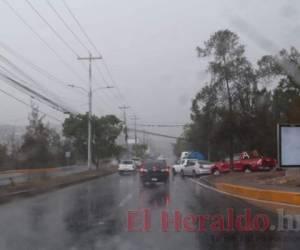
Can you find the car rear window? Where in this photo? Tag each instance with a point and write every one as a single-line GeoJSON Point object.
{"type": "Point", "coordinates": [157, 164]}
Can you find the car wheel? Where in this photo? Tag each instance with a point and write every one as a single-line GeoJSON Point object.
{"type": "Point", "coordinates": [216, 172]}
{"type": "Point", "coordinates": [247, 170]}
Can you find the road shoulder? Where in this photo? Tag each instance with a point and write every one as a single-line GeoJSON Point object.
{"type": "Point", "coordinates": [34, 187]}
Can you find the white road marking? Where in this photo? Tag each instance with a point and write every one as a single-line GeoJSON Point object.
{"type": "Point", "coordinates": [125, 199]}
{"type": "Point", "coordinates": [242, 197]}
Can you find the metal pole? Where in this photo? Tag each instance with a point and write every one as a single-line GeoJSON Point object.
{"type": "Point", "coordinates": [135, 129]}
{"type": "Point", "coordinates": [90, 115]}
{"type": "Point", "coordinates": [135, 134]}
{"type": "Point", "coordinates": [90, 96]}
{"type": "Point", "coordinates": [125, 124]}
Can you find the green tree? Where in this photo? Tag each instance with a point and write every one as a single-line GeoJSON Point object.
{"type": "Point", "coordinates": [3, 155]}
{"type": "Point", "coordinates": [140, 150]}
{"type": "Point", "coordinates": [282, 70]}
{"type": "Point", "coordinates": [105, 129]}
{"type": "Point", "coordinates": [230, 73]}
{"type": "Point", "coordinates": [34, 151]}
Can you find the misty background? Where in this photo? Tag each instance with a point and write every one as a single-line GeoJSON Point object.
{"type": "Point", "coordinates": [148, 49]}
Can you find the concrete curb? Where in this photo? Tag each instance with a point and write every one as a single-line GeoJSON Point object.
{"type": "Point", "coordinates": [260, 194]}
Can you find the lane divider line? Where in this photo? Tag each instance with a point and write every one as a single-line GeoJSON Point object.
{"type": "Point", "coordinates": [243, 197]}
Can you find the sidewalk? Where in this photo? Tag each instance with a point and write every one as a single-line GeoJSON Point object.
{"type": "Point", "coordinates": [266, 186]}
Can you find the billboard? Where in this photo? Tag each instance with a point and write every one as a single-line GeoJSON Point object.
{"type": "Point", "coordinates": [288, 145]}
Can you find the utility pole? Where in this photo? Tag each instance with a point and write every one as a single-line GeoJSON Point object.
{"type": "Point", "coordinates": [135, 132]}
{"type": "Point", "coordinates": [90, 58]}
{"type": "Point", "coordinates": [124, 108]}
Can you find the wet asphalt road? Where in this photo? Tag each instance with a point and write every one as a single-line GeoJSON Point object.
{"type": "Point", "coordinates": [93, 215]}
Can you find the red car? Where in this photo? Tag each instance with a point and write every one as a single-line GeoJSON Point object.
{"type": "Point", "coordinates": [220, 167]}
{"type": "Point", "coordinates": [253, 161]}
{"type": "Point", "coordinates": [250, 162]}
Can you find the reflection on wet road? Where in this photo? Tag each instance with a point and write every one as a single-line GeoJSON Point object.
{"type": "Point", "coordinates": [93, 215]}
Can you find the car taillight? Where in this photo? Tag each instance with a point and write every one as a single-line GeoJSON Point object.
{"type": "Point", "coordinates": [143, 170]}
{"type": "Point", "coordinates": [166, 170]}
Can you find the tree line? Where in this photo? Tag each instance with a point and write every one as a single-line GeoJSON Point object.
{"type": "Point", "coordinates": [42, 146]}
{"type": "Point", "coordinates": [241, 104]}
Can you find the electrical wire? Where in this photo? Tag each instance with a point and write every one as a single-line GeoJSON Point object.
{"type": "Point", "coordinates": [96, 49]}
{"type": "Point", "coordinates": [51, 28]}
{"type": "Point", "coordinates": [28, 105]}
{"type": "Point", "coordinates": [66, 25]}
{"type": "Point", "coordinates": [30, 79]}
{"type": "Point", "coordinates": [18, 15]}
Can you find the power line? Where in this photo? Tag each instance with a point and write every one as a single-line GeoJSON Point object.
{"type": "Point", "coordinates": [78, 39]}
{"type": "Point", "coordinates": [31, 64]}
{"type": "Point", "coordinates": [49, 46]}
{"type": "Point", "coordinates": [35, 67]}
{"type": "Point", "coordinates": [161, 125]}
{"type": "Point", "coordinates": [33, 93]}
{"type": "Point", "coordinates": [18, 15]}
{"type": "Point", "coordinates": [51, 27]}
{"type": "Point", "coordinates": [87, 37]}
{"type": "Point", "coordinates": [96, 49]}
{"type": "Point", "coordinates": [157, 134]}
{"type": "Point", "coordinates": [26, 104]}
{"type": "Point", "coordinates": [66, 25]}
{"type": "Point", "coordinates": [23, 87]}
{"type": "Point", "coordinates": [80, 27]}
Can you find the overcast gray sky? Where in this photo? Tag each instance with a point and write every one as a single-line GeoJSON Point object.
{"type": "Point", "coordinates": [148, 45]}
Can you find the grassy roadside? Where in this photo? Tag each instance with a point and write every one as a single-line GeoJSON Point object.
{"type": "Point", "coordinates": [33, 187]}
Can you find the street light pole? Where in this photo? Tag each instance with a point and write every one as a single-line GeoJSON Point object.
{"type": "Point", "coordinates": [90, 94]}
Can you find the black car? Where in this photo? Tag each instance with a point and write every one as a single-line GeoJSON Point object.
{"type": "Point", "coordinates": [154, 171]}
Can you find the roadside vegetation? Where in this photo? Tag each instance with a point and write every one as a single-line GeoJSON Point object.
{"type": "Point", "coordinates": [42, 146]}
{"type": "Point", "coordinates": [241, 104]}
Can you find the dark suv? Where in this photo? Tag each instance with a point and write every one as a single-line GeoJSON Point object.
{"type": "Point", "coordinates": [154, 171]}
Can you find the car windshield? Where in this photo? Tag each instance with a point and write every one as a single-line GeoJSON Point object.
{"type": "Point", "coordinates": [149, 124]}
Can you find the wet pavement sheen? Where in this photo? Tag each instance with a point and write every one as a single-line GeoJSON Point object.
{"type": "Point", "coordinates": [93, 215]}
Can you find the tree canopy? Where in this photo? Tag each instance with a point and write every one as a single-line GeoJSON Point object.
{"type": "Point", "coordinates": [105, 131]}
{"type": "Point", "coordinates": [240, 106]}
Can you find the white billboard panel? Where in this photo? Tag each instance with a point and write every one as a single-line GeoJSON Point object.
{"type": "Point", "coordinates": [289, 145]}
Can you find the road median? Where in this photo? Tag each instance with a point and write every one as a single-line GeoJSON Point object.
{"type": "Point", "coordinates": [260, 194]}
{"type": "Point", "coordinates": [257, 186]}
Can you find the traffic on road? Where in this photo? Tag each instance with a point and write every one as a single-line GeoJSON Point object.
{"type": "Point", "coordinates": [108, 213]}
{"type": "Point", "coordinates": [149, 124]}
